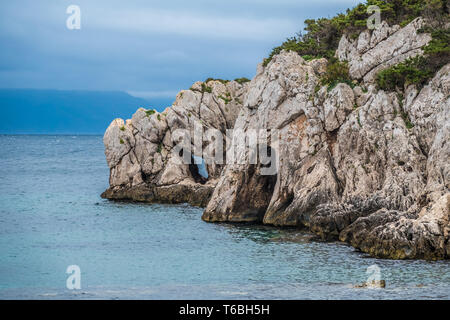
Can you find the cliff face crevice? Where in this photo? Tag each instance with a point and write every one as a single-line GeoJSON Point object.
{"type": "Point", "coordinates": [361, 165]}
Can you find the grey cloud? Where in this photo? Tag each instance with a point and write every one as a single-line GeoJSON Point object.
{"type": "Point", "coordinates": [144, 46]}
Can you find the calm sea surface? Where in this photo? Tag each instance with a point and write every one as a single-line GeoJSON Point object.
{"type": "Point", "coordinates": [52, 216]}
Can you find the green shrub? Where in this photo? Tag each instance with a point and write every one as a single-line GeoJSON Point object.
{"type": "Point", "coordinates": [308, 57]}
{"type": "Point", "coordinates": [408, 122]}
{"type": "Point", "coordinates": [317, 88]}
{"type": "Point", "coordinates": [121, 141]}
{"type": "Point", "coordinates": [438, 49]}
{"type": "Point", "coordinates": [241, 80]}
{"type": "Point", "coordinates": [205, 88]}
{"type": "Point", "coordinates": [122, 128]}
{"type": "Point", "coordinates": [321, 36]}
{"type": "Point", "coordinates": [238, 80]}
{"type": "Point", "coordinates": [405, 22]}
{"type": "Point", "coordinates": [411, 71]}
{"type": "Point", "coordinates": [220, 80]}
{"type": "Point", "coordinates": [337, 72]}
{"type": "Point", "coordinates": [400, 97]}
{"type": "Point", "coordinates": [418, 70]}
{"type": "Point", "coordinates": [226, 100]}
{"type": "Point", "coordinates": [150, 112]}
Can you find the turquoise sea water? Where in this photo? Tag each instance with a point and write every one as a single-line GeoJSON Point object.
{"type": "Point", "coordinates": [52, 216]}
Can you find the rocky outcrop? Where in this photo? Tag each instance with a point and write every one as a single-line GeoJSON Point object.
{"type": "Point", "coordinates": [421, 228]}
{"type": "Point", "coordinates": [280, 97]}
{"type": "Point", "coordinates": [361, 165]}
{"type": "Point", "coordinates": [140, 151]}
{"type": "Point", "coordinates": [385, 46]}
{"type": "Point", "coordinates": [350, 165]}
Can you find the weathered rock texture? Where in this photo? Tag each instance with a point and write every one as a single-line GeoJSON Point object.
{"type": "Point", "coordinates": [382, 48]}
{"type": "Point", "coordinates": [139, 151]}
{"type": "Point", "coordinates": [350, 166]}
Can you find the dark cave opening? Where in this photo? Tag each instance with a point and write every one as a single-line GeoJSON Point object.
{"type": "Point", "coordinates": [258, 186]}
{"type": "Point", "coordinates": [196, 171]}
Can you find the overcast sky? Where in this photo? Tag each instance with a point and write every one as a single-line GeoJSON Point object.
{"type": "Point", "coordinates": [149, 48]}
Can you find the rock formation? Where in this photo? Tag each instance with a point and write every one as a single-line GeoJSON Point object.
{"type": "Point", "coordinates": [382, 48]}
{"type": "Point", "coordinates": [139, 152]}
{"type": "Point", "coordinates": [359, 164]}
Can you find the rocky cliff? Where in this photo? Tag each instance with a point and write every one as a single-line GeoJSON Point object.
{"type": "Point", "coordinates": [354, 163]}
{"type": "Point", "coordinates": [140, 151]}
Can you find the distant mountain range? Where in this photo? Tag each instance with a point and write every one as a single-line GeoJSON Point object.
{"type": "Point", "coordinates": [32, 111]}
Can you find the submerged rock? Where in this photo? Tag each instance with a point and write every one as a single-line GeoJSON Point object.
{"type": "Point", "coordinates": [374, 284]}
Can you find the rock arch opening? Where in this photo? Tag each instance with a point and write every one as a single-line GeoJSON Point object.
{"type": "Point", "coordinates": [196, 165]}
{"type": "Point", "coordinates": [198, 169]}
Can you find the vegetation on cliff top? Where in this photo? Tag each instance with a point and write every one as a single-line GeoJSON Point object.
{"type": "Point", "coordinates": [321, 39]}
{"type": "Point", "coordinates": [238, 80]}
{"type": "Point", "coordinates": [242, 80]}
{"type": "Point", "coordinates": [206, 88]}
{"type": "Point", "coordinates": [150, 112]}
{"type": "Point", "coordinates": [321, 36]}
{"type": "Point", "coordinates": [220, 80]}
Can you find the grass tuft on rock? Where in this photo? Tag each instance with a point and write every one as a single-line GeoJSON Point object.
{"type": "Point", "coordinates": [150, 112]}
{"type": "Point", "coordinates": [242, 80]}
{"type": "Point", "coordinates": [408, 123]}
{"type": "Point", "coordinates": [220, 80]}
{"type": "Point", "coordinates": [205, 88]}
{"type": "Point", "coordinates": [337, 72]}
{"type": "Point", "coordinates": [226, 100]}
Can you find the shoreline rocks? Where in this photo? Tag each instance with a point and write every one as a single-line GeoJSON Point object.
{"type": "Point", "coordinates": [349, 166]}
{"type": "Point", "coordinates": [140, 152]}
{"type": "Point", "coordinates": [194, 194]}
